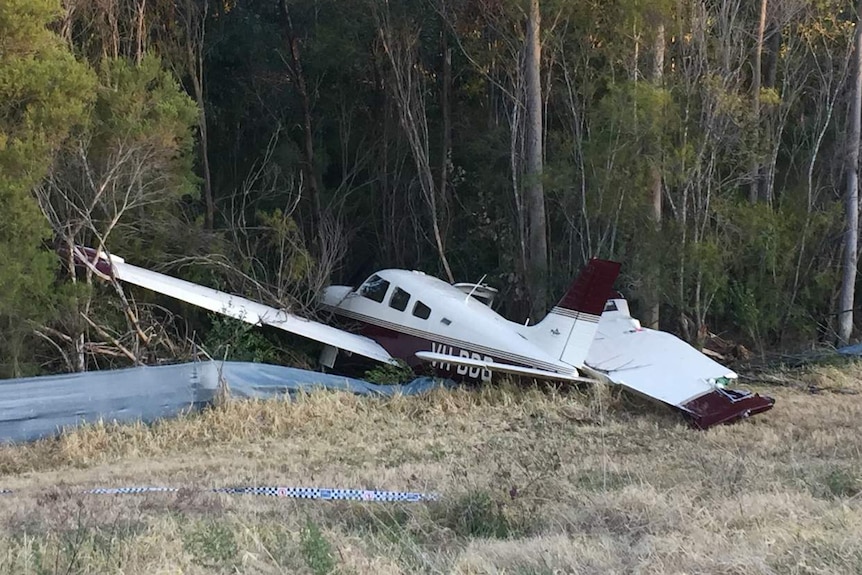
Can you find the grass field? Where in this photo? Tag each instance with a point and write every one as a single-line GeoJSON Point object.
{"type": "Point", "coordinates": [532, 482]}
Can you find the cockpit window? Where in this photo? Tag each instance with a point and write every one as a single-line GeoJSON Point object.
{"type": "Point", "coordinates": [374, 288]}
{"type": "Point", "coordinates": [399, 299]}
{"type": "Point", "coordinates": [611, 305]}
{"type": "Point", "coordinates": [421, 310]}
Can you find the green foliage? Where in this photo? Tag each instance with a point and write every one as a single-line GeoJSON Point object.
{"type": "Point", "coordinates": [236, 340]}
{"type": "Point", "coordinates": [387, 374]}
{"type": "Point", "coordinates": [610, 133]}
{"type": "Point", "coordinates": [742, 308]}
{"type": "Point", "coordinates": [843, 483]}
{"type": "Point", "coordinates": [143, 103]}
{"type": "Point", "coordinates": [770, 97]}
{"type": "Point", "coordinates": [122, 178]}
{"type": "Point", "coordinates": [212, 544]}
{"type": "Point", "coordinates": [81, 546]}
{"type": "Point", "coordinates": [774, 250]}
{"type": "Point", "coordinates": [833, 481]}
{"type": "Point", "coordinates": [477, 514]}
{"type": "Point", "coordinates": [283, 238]}
{"type": "Point", "coordinates": [316, 549]}
{"type": "Point", "coordinates": [44, 93]}
{"type": "Point", "coordinates": [143, 130]}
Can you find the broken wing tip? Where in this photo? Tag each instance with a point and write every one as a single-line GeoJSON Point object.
{"type": "Point", "coordinates": [720, 407]}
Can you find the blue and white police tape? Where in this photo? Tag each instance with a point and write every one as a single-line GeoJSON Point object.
{"type": "Point", "coordinates": [330, 494]}
{"type": "Point", "coordinates": [325, 494]}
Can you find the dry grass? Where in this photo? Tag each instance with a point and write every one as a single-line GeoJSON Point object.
{"type": "Point", "coordinates": [533, 482]}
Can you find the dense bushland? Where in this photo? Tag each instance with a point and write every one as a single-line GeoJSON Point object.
{"type": "Point", "coordinates": [272, 146]}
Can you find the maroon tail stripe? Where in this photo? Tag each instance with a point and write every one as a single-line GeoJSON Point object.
{"type": "Point", "coordinates": [81, 253]}
{"type": "Point", "coordinates": [590, 291]}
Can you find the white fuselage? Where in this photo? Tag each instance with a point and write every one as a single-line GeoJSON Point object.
{"type": "Point", "coordinates": [408, 311]}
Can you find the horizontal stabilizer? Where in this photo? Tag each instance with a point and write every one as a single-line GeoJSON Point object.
{"type": "Point", "coordinates": [234, 306]}
{"type": "Point", "coordinates": [441, 358]}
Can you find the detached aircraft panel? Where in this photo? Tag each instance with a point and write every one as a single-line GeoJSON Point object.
{"type": "Point", "coordinates": [242, 309]}
{"type": "Point", "coordinates": [663, 367]}
{"type": "Point", "coordinates": [656, 364]}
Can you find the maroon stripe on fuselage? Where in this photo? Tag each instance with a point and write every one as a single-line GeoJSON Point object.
{"type": "Point", "coordinates": [400, 345]}
{"type": "Point", "coordinates": [450, 343]}
{"type": "Point", "coordinates": [405, 346]}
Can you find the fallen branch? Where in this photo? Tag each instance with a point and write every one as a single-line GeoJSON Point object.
{"type": "Point", "coordinates": [113, 340]}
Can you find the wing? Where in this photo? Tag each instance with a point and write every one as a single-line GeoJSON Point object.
{"type": "Point", "coordinates": [501, 367]}
{"type": "Point", "coordinates": [663, 367]}
{"type": "Point", "coordinates": [234, 306]}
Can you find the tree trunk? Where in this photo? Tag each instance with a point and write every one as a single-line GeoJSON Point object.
{"type": "Point", "coordinates": [209, 217]}
{"type": "Point", "coordinates": [195, 23]}
{"type": "Point", "coordinates": [754, 193]}
{"type": "Point", "coordinates": [769, 68]}
{"type": "Point", "coordinates": [67, 21]}
{"type": "Point", "coordinates": [113, 36]}
{"type": "Point", "coordinates": [407, 87]}
{"type": "Point", "coordinates": [308, 134]}
{"type": "Point", "coordinates": [140, 31]}
{"type": "Point", "coordinates": [652, 297]}
{"type": "Point", "coordinates": [196, 71]}
{"type": "Point", "coordinates": [446, 105]}
{"type": "Point", "coordinates": [537, 269]}
{"type": "Point", "coordinates": [851, 233]}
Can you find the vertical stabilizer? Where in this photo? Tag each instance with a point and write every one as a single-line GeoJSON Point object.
{"type": "Point", "coordinates": [568, 330]}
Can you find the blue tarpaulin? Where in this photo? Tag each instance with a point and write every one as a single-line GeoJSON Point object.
{"type": "Point", "coordinates": [855, 349]}
{"type": "Point", "coordinates": [261, 380]}
{"type": "Point", "coordinates": [35, 407]}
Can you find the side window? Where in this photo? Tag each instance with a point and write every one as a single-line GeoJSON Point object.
{"type": "Point", "coordinates": [399, 299]}
{"type": "Point", "coordinates": [374, 288]}
{"type": "Point", "coordinates": [421, 310]}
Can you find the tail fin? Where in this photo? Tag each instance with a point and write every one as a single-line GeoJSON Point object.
{"type": "Point", "coordinates": [568, 330]}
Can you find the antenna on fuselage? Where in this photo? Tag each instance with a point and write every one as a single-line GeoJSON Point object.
{"type": "Point", "coordinates": [475, 287]}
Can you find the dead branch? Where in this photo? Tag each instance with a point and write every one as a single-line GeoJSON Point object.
{"type": "Point", "coordinates": [113, 340]}
{"type": "Point", "coordinates": [57, 346]}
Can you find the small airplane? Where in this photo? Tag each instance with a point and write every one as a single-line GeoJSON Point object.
{"type": "Point", "coordinates": [452, 331]}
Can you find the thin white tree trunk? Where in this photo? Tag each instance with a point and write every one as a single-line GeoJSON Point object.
{"type": "Point", "coordinates": [140, 31]}
{"type": "Point", "coordinates": [851, 233]}
{"type": "Point", "coordinates": [651, 297]}
{"type": "Point", "coordinates": [755, 102]}
{"type": "Point", "coordinates": [408, 91]}
{"type": "Point", "coordinates": [537, 226]}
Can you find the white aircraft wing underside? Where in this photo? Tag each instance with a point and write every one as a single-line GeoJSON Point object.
{"type": "Point", "coordinates": [442, 358]}
{"type": "Point", "coordinates": [662, 366]}
{"type": "Point", "coordinates": [248, 311]}
{"type": "Point", "coordinates": [656, 364]}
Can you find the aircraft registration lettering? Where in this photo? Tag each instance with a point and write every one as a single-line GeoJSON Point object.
{"type": "Point", "coordinates": [473, 372]}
